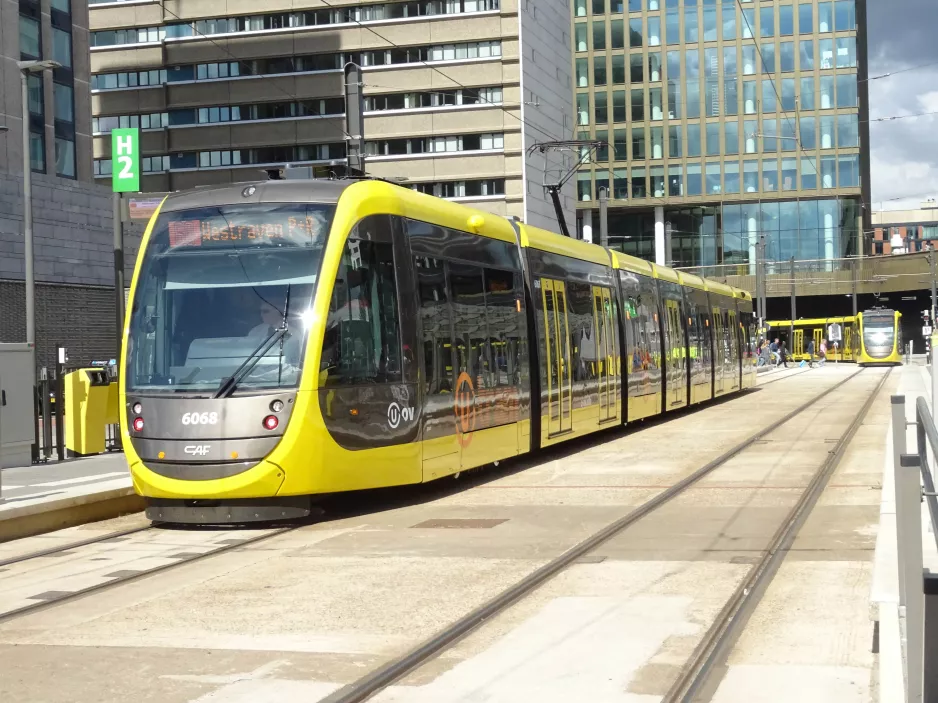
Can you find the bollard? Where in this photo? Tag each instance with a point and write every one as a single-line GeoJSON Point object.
{"type": "Point", "coordinates": [909, 512]}
{"type": "Point", "coordinates": [46, 404]}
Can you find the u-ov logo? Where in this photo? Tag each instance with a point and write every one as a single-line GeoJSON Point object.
{"type": "Point", "coordinates": [396, 413]}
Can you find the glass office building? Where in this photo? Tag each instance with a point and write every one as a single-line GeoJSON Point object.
{"type": "Point", "coordinates": [723, 120]}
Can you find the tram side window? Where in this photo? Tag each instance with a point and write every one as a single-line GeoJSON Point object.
{"type": "Point", "coordinates": [584, 347]}
{"type": "Point", "coordinates": [472, 348]}
{"type": "Point", "coordinates": [648, 296]}
{"type": "Point", "coordinates": [436, 322]}
{"type": "Point", "coordinates": [503, 314]}
{"type": "Point", "coordinates": [362, 341]}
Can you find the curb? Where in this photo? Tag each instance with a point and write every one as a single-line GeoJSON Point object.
{"type": "Point", "coordinates": [48, 516]}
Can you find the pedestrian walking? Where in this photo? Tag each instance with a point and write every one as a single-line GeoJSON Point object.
{"type": "Point", "coordinates": [811, 353]}
{"type": "Point", "coordinates": [783, 354]}
{"type": "Point", "coordinates": [822, 354]}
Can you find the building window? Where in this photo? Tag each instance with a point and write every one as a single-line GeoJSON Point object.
{"type": "Point", "coordinates": [693, 139]}
{"type": "Point", "coordinates": [713, 139]}
{"type": "Point", "coordinates": [729, 20]}
{"type": "Point", "coordinates": [64, 103]}
{"type": "Point", "coordinates": [769, 175]}
{"type": "Point", "coordinates": [787, 56]}
{"type": "Point", "coordinates": [808, 133]}
{"type": "Point", "coordinates": [789, 174]}
{"type": "Point", "coordinates": [64, 157]}
{"type": "Point", "coordinates": [768, 57]}
{"type": "Point", "coordinates": [849, 171]}
{"type": "Point", "coordinates": [825, 17]}
{"type": "Point", "coordinates": [846, 15]}
{"type": "Point", "coordinates": [846, 52]}
{"type": "Point", "coordinates": [674, 141]}
{"type": "Point", "coordinates": [62, 6]}
{"type": "Point", "coordinates": [809, 173]}
{"type": "Point", "coordinates": [730, 137]}
{"type": "Point", "coordinates": [828, 171]}
{"type": "Point", "coordinates": [713, 177]}
{"type": "Point", "coordinates": [750, 176]}
{"type": "Point", "coordinates": [846, 90]}
{"type": "Point", "coordinates": [638, 182]}
{"type": "Point", "coordinates": [62, 47]}
{"type": "Point", "coordinates": [848, 133]}
{"type": "Point", "coordinates": [731, 177]}
{"type": "Point", "coordinates": [675, 180]}
{"type": "Point", "coordinates": [805, 19]}
{"type": "Point", "coordinates": [694, 181]}
{"type": "Point", "coordinates": [767, 22]}
{"type": "Point", "coordinates": [30, 44]}
{"type": "Point", "coordinates": [37, 151]}
{"type": "Point", "coordinates": [827, 92]}
{"type": "Point", "coordinates": [34, 89]}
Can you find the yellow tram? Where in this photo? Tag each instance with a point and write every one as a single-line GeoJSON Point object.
{"type": "Point", "coordinates": [840, 333]}
{"type": "Point", "coordinates": [288, 339]}
{"type": "Point", "coordinates": [880, 334]}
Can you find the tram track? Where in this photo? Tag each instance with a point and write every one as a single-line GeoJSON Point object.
{"type": "Point", "coordinates": [131, 576]}
{"type": "Point", "coordinates": [380, 678]}
{"type": "Point", "coordinates": [53, 551]}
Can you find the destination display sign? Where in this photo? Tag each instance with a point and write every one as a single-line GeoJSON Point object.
{"type": "Point", "coordinates": [218, 232]}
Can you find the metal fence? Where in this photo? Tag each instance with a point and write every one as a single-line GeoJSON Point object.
{"type": "Point", "coordinates": [804, 266]}
{"type": "Point", "coordinates": [914, 480]}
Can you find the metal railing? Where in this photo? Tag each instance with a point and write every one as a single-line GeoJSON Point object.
{"type": "Point", "coordinates": [913, 481]}
{"type": "Point", "coordinates": [773, 267]}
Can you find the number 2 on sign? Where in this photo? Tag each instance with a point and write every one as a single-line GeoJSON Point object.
{"type": "Point", "coordinates": [127, 167]}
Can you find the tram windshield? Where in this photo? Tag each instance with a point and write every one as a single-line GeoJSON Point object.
{"type": "Point", "coordinates": [878, 331]}
{"type": "Point", "coordinates": [218, 283]}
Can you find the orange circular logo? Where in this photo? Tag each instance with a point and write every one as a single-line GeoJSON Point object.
{"type": "Point", "coordinates": [464, 408]}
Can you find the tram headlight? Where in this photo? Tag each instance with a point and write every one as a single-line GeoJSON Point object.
{"type": "Point", "coordinates": [138, 424]}
{"type": "Point", "coordinates": [276, 406]}
{"type": "Point", "coordinates": [137, 408]}
{"type": "Point", "coordinates": [271, 422]}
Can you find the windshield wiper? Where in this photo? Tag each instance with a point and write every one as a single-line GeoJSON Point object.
{"type": "Point", "coordinates": [229, 384]}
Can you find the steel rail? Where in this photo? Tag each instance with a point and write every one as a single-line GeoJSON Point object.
{"type": "Point", "coordinates": [385, 675]}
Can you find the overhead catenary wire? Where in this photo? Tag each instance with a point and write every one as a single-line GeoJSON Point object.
{"type": "Point", "coordinates": [889, 74]}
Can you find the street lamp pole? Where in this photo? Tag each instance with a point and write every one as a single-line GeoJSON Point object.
{"type": "Point", "coordinates": [26, 68]}
{"type": "Point", "coordinates": [28, 216]}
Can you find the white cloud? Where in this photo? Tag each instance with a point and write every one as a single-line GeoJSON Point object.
{"type": "Point", "coordinates": [903, 153]}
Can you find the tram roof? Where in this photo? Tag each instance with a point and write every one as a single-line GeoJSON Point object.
{"type": "Point", "coordinates": [293, 191]}
{"type": "Point", "coordinates": [537, 238]}
{"type": "Point", "coordinates": [630, 263]}
{"type": "Point", "coordinates": [811, 321]}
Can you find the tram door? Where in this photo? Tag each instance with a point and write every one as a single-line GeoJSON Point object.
{"type": "Point", "coordinates": [605, 337]}
{"type": "Point", "coordinates": [797, 347]}
{"type": "Point", "coordinates": [733, 340]}
{"type": "Point", "coordinates": [719, 352]}
{"type": "Point", "coordinates": [557, 360]}
{"type": "Point", "coordinates": [677, 356]}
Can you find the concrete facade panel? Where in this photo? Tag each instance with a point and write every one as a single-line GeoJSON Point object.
{"type": "Point", "coordinates": [123, 59]}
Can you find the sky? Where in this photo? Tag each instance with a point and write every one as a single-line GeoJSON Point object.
{"type": "Point", "coordinates": [904, 153]}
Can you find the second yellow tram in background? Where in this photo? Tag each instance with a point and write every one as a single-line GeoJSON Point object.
{"type": "Point", "coordinates": [873, 337]}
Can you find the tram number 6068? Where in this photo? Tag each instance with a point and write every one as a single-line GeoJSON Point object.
{"type": "Point", "coordinates": [200, 418]}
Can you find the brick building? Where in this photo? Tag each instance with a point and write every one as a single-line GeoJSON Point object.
{"type": "Point", "coordinates": [905, 231]}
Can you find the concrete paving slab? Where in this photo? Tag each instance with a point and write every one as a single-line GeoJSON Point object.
{"type": "Point", "coordinates": [296, 616]}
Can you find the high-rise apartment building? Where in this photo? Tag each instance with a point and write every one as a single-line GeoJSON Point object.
{"type": "Point", "coordinates": [456, 91]}
{"type": "Point", "coordinates": [726, 120]}
{"type": "Point", "coordinates": [72, 234]}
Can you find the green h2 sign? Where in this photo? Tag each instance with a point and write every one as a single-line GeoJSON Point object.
{"type": "Point", "coordinates": [125, 160]}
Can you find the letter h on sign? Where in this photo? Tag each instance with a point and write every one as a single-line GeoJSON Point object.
{"type": "Point", "coordinates": [125, 160]}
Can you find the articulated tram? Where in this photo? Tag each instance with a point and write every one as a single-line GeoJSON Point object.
{"type": "Point", "coordinates": [289, 339]}
{"type": "Point", "coordinates": [880, 337]}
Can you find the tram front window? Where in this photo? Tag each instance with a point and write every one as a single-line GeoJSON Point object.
{"type": "Point", "coordinates": [217, 286]}
{"type": "Point", "coordinates": [878, 332]}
